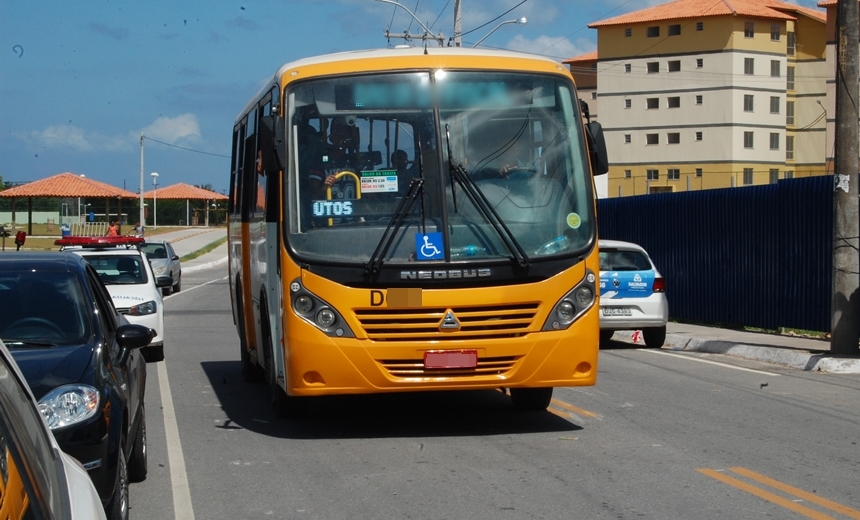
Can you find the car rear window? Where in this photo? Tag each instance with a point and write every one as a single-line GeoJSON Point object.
{"type": "Point", "coordinates": [624, 261]}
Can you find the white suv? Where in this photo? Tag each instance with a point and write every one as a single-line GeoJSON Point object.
{"type": "Point", "coordinates": [128, 277]}
{"type": "Point", "coordinates": [632, 293]}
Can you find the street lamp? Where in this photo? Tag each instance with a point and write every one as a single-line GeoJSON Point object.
{"type": "Point", "coordinates": [521, 21]}
{"type": "Point", "coordinates": [154, 199]}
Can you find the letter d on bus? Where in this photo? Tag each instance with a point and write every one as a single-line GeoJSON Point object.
{"type": "Point", "coordinates": [377, 298]}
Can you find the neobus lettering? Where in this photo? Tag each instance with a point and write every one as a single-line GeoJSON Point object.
{"type": "Point", "coordinates": [328, 208]}
{"type": "Point", "coordinates": [445, 275]}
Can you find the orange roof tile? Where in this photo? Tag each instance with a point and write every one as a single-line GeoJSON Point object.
{"type": "Point", "coordinates": [679, 9]}
{"type": "Point", "coordinates": [67, 185]}
{"type": "Point", "coordinates": [821, 16]}
{"type": "Point", "coordinates": [183, 191]}
{"type": "Point", "coordinates": [590, 56]}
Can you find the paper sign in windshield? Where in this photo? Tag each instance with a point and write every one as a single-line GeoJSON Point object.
{"type": "Point", "coordinates": [379, 181]}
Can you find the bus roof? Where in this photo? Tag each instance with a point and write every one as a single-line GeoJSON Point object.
{"type": "Point", "coordinates": [420, 54]}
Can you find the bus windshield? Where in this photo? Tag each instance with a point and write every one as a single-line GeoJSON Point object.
{"type": "Point", "coordinates": [497, 161]}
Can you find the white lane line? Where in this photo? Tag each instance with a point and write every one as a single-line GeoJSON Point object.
{"type": "Point", "coordinates": [186, 291]}
{"type": "Point", "coordinates": [688, 358]}
{"type": "Point", "coordinates": [178, 477]}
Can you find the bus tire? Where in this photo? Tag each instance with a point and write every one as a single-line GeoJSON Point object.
{"type": "Point", "coordinates": [250, 372]}
{"type": "Point", "coordinates": [606, 335]}
{"type": "Point", "coordinates": [531, 399]}
{"type": "Point", "coordinates": [654, 336]}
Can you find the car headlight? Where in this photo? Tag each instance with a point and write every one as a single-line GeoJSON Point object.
{"type": "Point", "coordinates": [67, 405]}
{"type": "Point", "coordinates": [159, 270]}
{"type": "Point", "coordinates": [143, 309]}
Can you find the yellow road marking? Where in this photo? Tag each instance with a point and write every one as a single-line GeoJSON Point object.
{"type": "Point", "coordinates": [574, 409]}
{"type": "Point", "coordinates": [558, 413]}
{"type": "Point", "coordinates": [805, 495]}
{"type": "Point", "coordinates": [765, 495]}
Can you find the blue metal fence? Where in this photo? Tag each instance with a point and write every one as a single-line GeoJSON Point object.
{"type": "Point", "coordinates": [758, 256]}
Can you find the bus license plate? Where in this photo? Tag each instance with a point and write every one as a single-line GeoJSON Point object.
{"type": "Point", "coordinates": [451, 359]}
{"type": "Point", "coordinates": [616, 311]}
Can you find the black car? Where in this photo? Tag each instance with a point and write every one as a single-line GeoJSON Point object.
{"type": "Point", "coordinates": [82, 362]}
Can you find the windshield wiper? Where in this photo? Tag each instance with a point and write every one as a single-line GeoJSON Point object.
{"type": "Point", "coordinates": [27, 343]}
{"type": "Point", "coordinates": [476, 196]}
{"type": "Point", "coordinates": [400, 214]}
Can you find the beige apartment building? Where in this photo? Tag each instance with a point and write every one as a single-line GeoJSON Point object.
{"type": "Point", "coordinates": [699, 95]}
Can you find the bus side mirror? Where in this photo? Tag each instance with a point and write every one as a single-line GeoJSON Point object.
{"type": "Point", "coordinates": [272, 145]}
{"type": "Point", "coordinates": [597, 148]}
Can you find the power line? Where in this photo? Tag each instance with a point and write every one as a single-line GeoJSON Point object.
{"type": "Point", "coordinates": [183, 148]}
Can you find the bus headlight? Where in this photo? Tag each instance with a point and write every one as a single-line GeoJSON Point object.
{"type": "Point", "coordinates": [315, 311]}
{"type": "Point", "coordinates": [303, 304]}
{"type": "Point", "coordinates": [573, 304]}
{"type": "Point", "coordinates": [326, 318]}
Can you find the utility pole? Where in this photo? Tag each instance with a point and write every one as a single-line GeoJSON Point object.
{"type": "Point", "coordinates": [845, 302]}
{"type": "Point", "coordinates": [458, 18]}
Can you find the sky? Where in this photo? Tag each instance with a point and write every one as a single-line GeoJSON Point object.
{"type": "Point", "coordinates": [80, 81]}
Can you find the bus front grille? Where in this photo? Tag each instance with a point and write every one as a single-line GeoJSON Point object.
{"type": "Point", "coordinates": [423, 324]}
{"type": "Point", "coordinates": [415, 368]}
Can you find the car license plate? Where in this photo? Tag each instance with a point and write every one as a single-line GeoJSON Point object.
{"type": "Point", "coordinates": [616, 311]}
{"type": "Point", "coordinates": [451, 359]}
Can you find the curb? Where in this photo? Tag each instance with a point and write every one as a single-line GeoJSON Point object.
{"type": "Point", "coordinates": [207, 265]}
{"type": "Point", "coordinates": [799, 359]}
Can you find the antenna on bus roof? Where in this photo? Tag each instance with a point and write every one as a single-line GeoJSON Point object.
{"type": "Point", "coordinates": [427, 35]}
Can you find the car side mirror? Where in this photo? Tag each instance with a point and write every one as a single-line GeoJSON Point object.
{"type": "Point", "coordinates": [163, 281]}
{"type": "Point", "coordinates": [130, 337]}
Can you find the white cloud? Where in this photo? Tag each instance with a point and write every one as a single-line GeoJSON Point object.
{"type": "Point", "coordinates": [551, 46]}
{"type": "Point", "coordinates": [68, 136]}
{"type": "Point", "coordinates": [174, 130]}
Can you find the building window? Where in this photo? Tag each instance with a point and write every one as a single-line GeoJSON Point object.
{"type": "Point", "coordinates": [700, 26]}
{"type": "Point", "coordinates": [774, 175]}
{"type": "Point", "coordinates": [698, 172]}
{"type": "Point", "coordinates": [652, 138]}
{"type": "Point", "coordinates": [674, 174]}
{"type": "Point", "coordinates": [653, 32]}
{"type": "Point", "coordinates": [774, 32]}
{"type": "Point", "coordinates": [698, 136]}
{"type": "Point", "coordinates": [774, 104]}
{"type": "Point", "coordinates": [749, 66]}
{"type": "Point", "coordinates": [791, 43]}
{"type": "Point", "coordinates": [774, 141]}
{"type": "Point", "coordinates": [675, 66]}
{"type": "Point", "coordinates": [627, 67]}
{"type": "Point", "coordinates": [675, 30]}
{"type": "Point", "coordinates": [628, 174]}
{"type": "Point", "coordinates": [789, 149]}
{"type": "Point", "coordinates": [653, 103]}
{"type": "Point", "coordinates": [789, 78]}
{"type": "Point", "coordinates": [748, 140]}
{"type": "Point", "coordinates": [774, 68]}
{"type": "Point", "coordinates": [653, 67]}
{"type": "Point", "coordinates": [748, 102]}
{"type": "Point", "coordinates": [748, 176]}
{"type": "Point", "coordinates": [594, 95]}
{"type": "Point", "coordinates": [699, 99]}
{"type": "Point", "coordinates": [789, 174]}
{"type": "Point", "coordinates": [789, 113]}
{"type": "Point", "coordinates": [749, 29]}
{"type": "Point", "coordinates": [673, 138]}
{"type": "Point", "coordinates": [628, 103]}
{"type": "Point", "coordinates": [627, 138]}
{"type": "Point", "coordinates": [674, 102]}
{"type": "Point", "coordinates": [628, 32]}
{"type": "Point", "coordinates": [700, 63]}
{"type": "Point", "coordinates": [652, 175]}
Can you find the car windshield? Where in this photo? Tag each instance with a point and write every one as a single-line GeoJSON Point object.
{"type": "Point", "coordinates": [624, 261]}
{"type": "Point", "coordinates": [498, 154]}
{"type": "Point", "coordinates": [119, 269]}
{"type": "Point", "coordinates": [154, 250]}
{"type": "Point", "coordinates": [43, 306]}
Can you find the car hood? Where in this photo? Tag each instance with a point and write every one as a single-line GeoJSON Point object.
{"type": "Point", "coordinates": [47, 368]}
{"type": "Point", "coordinates": [125, 296]}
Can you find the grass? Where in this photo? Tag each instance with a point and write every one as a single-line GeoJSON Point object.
{"type": "Point", "coordinates": [203, 250]}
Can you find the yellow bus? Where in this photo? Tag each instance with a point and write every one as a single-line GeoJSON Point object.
{"type": "Point", "coordinates": [416, 219]}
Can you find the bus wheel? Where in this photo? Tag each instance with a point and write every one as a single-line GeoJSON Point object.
{"type": "Point", "coordinates": [250, 371]}
{"type": "Point", "coordinates": [531, 399]}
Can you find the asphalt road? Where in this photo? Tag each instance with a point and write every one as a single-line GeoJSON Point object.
{"type": "Point", "coordinates": [663, 435]}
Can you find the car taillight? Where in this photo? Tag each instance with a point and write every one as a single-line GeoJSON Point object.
{"type": "Point", "coordinates": [659, 285]}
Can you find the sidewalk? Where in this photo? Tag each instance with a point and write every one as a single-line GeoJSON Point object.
{"type": "Point", "coordinates": [187, 241]}
{"type": "Point", "coordinates": [791, 351]}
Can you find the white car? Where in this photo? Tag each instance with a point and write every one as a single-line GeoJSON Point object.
{"type": "Point", "coordinates": [127, 274]}
{"type": "Point", "coordinates": [632, 293]}
{"type": "Point", "coordinates": [39, 480]}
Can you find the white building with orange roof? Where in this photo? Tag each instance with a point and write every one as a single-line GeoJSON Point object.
{"type": "Point", "coordinates": [699, 94]}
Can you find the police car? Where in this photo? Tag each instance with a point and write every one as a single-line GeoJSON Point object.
{"type": "Point", "coordinates": [632, 293]}
{"type": "Point", "coordinates": [125, 270]}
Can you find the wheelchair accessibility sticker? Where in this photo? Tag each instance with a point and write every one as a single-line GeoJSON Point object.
{"type": "Point", "coordinates": [429, 246]}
